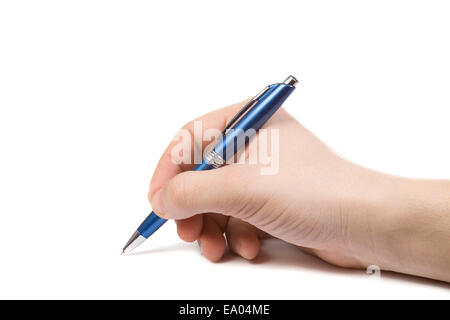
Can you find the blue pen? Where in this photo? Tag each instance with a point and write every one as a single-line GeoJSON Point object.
{"type": "Point", "coordinates": [247, 121]}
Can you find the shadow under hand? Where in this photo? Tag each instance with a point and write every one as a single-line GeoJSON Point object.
{"type": "Point", "coordinates": [281, 254]}
{"type": "Point", "coordinates": [169, 248]}
{"type": "Point", "coordinates": [277, 253]}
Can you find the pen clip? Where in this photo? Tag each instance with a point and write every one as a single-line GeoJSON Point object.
{"type": "Point", "coordinates": [246, 108]}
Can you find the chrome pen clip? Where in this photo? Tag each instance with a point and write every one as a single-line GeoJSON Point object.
{"type": "Point", "coordinates": [249, 105]}
{"type": "Point", "coordinates": [246, 108]}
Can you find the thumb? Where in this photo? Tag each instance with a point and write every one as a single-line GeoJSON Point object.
{"type": "Point", "coordinates": [193, 192]}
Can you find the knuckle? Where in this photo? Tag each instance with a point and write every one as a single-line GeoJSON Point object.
{"type": "Point", "coordinates": [149, 196]}
{"type": "Point", "coordinates": [188, 125]}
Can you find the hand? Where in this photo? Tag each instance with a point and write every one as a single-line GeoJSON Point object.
{"type": "Point", "coordinates": [347, 215]}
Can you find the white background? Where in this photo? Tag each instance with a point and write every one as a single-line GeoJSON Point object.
{"type": "Point", "coordinates": [92, 91]}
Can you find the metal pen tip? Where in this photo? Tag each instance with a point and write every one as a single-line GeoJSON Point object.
{"type": "Point", "coordinates": [135, 240]}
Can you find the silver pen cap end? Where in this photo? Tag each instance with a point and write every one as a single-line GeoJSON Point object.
{"type": "Point", "coordinates": [291, 80]}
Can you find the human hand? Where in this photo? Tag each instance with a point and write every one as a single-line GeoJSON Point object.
{"type": "Point", "coordinates": [346, 214]}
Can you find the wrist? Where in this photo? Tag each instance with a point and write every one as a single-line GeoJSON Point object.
{"type": "Point", "coordinates": [403, 225]}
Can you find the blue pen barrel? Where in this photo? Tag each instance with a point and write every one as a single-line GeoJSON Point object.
{"type": "Point", "coordinates": [245, 127]}
{"type": "Point", "coordinates": [150, 225]}
{"type": "Point", "coordinates": [253, 120]}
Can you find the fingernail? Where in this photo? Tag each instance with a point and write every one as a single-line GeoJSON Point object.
{"type": "Point", "coordinates": [158, 205]}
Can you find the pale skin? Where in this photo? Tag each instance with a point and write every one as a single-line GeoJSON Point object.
{"type": "Point", "coordinates": [347, 215]}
